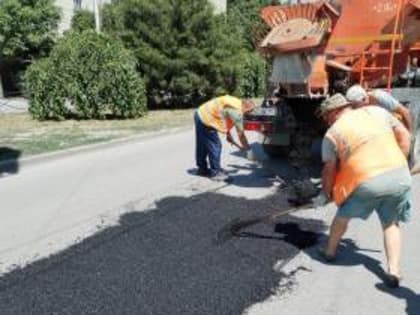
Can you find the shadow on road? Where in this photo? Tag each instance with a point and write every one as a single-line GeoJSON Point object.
{"type": "Point", "coordinates": [350, 254]}
{"type": "Point", "coordinates": [9, 161]}
{"type": "Point", "coordinates": [411, 298]}
{"type": "Point", "coordinates": [264, 172]}
{"type": "Point", "coordinates": [162, 261]}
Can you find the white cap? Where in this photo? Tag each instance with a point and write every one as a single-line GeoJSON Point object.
{"type": "Point", "coordinates": [356, 94]}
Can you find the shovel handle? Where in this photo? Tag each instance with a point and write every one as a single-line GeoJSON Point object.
{"type": "Point", "coordinates": [288, 211]}
{"type": "Point", "coordinates": [235, 144]}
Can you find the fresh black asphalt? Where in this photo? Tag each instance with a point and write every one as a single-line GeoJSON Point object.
{"type": "Point", "coordinates": [166, 260]}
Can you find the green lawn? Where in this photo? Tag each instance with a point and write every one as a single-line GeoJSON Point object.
{"type": "Point", "coordinates": [20, 132]}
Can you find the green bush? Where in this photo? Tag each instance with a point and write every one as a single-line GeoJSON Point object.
{"type": "Point", "coordinates": [83, 20]}
{"type": "Point", "coordinates": [252, 75]}
{"type": "Point", "coordinates": [86, 76]}
{"type": "Point", "coordinates": [46, 95]}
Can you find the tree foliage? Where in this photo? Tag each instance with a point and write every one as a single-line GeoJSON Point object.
{"type": "Point", "coordinates": [185, 52]}
{"type": "Point", "coordinates": [27, 28]}
{"type": "Point", "coordinates": [83, 20]}
{"type": "Point", "coordinates": [253, 75]}
{"type": "Point", "coordinates": [27, 31]}
{"type": "Point", "coordinates": [87, 75]}
{"type": "Point", "coordinates": [245, 16]}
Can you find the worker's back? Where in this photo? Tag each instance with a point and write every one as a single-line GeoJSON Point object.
{"type": "Point", "coordinates": [366, 147]}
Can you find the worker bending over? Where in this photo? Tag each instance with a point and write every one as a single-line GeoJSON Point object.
{"type": "Point", "coordinates": [361, 181]}
{"type": "Point", "coordinates": [218, 115]}
{"type": "Point", "coordinates": [358, 96]}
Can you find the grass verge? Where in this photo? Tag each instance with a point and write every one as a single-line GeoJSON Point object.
{"type": "Point", "coordinates": [19, 132]}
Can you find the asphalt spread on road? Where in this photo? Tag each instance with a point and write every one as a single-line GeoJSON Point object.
{"type": "Point", "coordinates": [165, 261]}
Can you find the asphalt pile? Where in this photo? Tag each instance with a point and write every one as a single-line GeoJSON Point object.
{"type": "Point", "coordinates": [302, 191]}
{"type": "Point", "coordinates": [301, 154]}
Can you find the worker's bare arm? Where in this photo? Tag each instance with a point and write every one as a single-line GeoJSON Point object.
{"type": "Point", "coordinates": [403, 138]}
{"type": "Point", "coordinates": [243, 145]}
{"type": "Point", "coordinates": [242, 139]}
{"type": "Point", "coordinates": [328, 176]}
{"type": "Point", "coordinates": [405, 115]}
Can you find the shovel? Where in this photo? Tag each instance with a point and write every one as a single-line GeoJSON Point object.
{"type": "Point", "coordinates": [236, 225]}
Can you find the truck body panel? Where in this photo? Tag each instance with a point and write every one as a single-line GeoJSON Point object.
{"type": "Point", "coordinates": [320, 48]}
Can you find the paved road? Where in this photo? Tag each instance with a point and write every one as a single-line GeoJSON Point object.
{"type": "Point", "coordinates": [128, 230]}
{"type": "Point", "coordinates": [13, 105]}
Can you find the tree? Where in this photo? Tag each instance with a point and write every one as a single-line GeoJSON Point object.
{"type": "Point", "coordinates": [27, 30]}
{"type": "Point", "coordinates": [83, 20]}
{"type": "Point", "coordinates": [185, 52]}
{"type": "Point", "coordinates": [245, 16]}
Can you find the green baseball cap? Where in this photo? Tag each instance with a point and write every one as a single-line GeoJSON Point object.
{"type": "Point", "coordinates": [334, 102]}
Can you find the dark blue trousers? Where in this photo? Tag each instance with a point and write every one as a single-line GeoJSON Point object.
{"type": "Point", "coordinates": [207, 145]}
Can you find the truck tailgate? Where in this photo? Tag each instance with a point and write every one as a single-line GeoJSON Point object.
{"type": "Point", "coordinates": [261, 119]}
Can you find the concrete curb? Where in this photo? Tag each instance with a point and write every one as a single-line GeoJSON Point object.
{"type": "Point", "coordinates": [45, 157]}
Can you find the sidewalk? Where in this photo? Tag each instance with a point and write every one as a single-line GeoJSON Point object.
{"type": "Point", "coordinates": [14, 105]}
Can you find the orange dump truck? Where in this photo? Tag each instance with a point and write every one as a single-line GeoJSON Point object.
{"type": "Point", "coordinates": [318, 48]}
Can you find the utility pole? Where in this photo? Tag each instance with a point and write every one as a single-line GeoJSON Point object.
{"type": "Point", "coordinates": [97, 17]}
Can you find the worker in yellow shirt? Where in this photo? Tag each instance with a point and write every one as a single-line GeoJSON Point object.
{"type": "Point", "coordinates": [218, 115]}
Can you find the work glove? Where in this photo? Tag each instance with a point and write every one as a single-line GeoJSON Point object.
{"type": "Point", "coordinates": [229, 138]}
{"type": "Point", "coordinates": [320, 200]}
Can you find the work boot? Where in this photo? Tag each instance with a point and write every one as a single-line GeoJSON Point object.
{"type": "Point", "coordinates": [392, 281]}
{"type": "Point", "coordinates": [220, 176]}
{"type": "Point", "coordinates": [327, 258]}
{"type": "Point", "coordinates": [203, 172]}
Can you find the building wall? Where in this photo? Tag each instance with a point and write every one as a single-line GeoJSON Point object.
{"type": "Point", "coordinates": [68, 6]}
{"type": "Point", "coordinates": [220, 5]}
{"type": "Point", "coordinates": [67, 10]}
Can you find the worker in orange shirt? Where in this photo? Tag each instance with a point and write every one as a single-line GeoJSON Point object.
{"type": "Point", "coordinates": [359, 181]}
{"type": "Point", "coordinates": [219, 115]}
